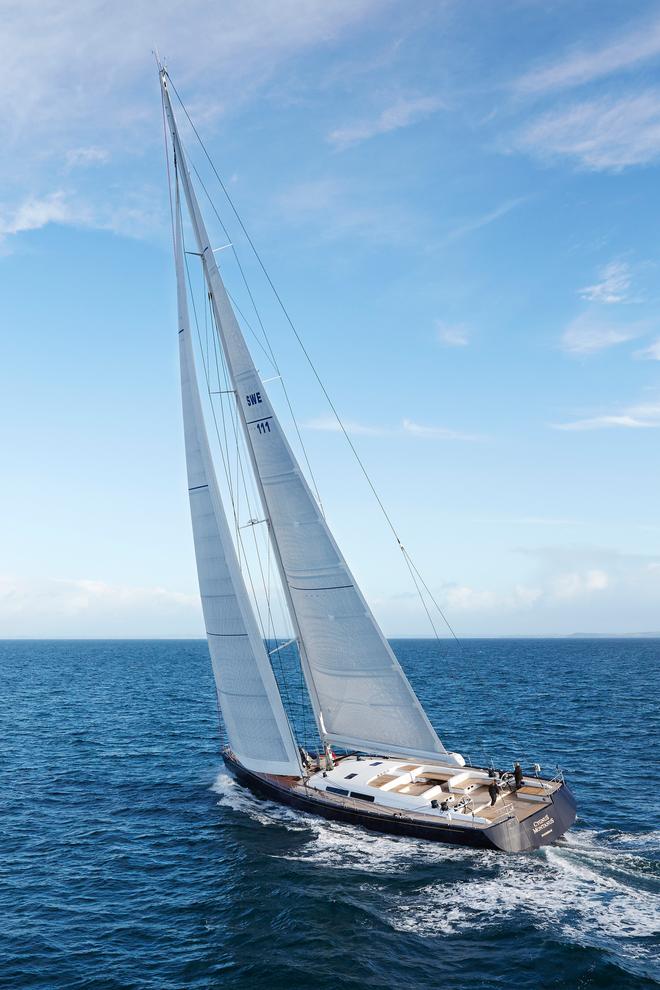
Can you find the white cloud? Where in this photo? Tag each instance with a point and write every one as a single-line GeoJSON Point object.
{"type": "Point", "coordinates": [63, 67]}
{"type": "Point", "coordinates": [574, 584]}
{"type": "Point", "coordinates": [590, 332]}
{"type": "Point", "coordinates": [462, 598]}
{"type": "Point", "coordinates": [553, 588]}
{"type": "Point", "coordinates": [36, 212]}
{"type": "Point", "coordinates": [547, 521]}
{"type": "Point", "coordinates": [650, 353]}
{"type": "Point", "coordinates": [79, 608]}
{"type": "Point", "coordinates": [76, 157]}
{"type": "Point", "coordinates": [612, 286]}
{"type": "Point", "coordinates": [603, 134]}
{"type": "Point", "coordinates": [329, 424]}
{"type": "Point", "coordinates": [484, 220]}
{"type": "Point", "coordinates": [570, 589]}
{"type": "Point", "coordinates": [337, 209]}
{"type": "Point", "coordinates": [452, 334]}
{"type": "Point", "coordinates": [134, 215]}
{"type": "Point", "coordinates": [629, 50]}
{"type": "Point", "coordinates": [435, 432]}
{"type": "Point", "coordinates": [401, 113]}
{"type": "Point", "coordinates": [80, 87]}
{"type": "Point", "coordinates": [643, 415]}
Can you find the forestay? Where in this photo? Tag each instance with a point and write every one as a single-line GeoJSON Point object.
{"type": "Point", "coordinates": [360, 695]}
{"type": "Point", "coordinates": [257, 727]}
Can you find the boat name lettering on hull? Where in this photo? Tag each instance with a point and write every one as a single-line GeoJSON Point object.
{"type": "Point", "coordinates": [542, 823]}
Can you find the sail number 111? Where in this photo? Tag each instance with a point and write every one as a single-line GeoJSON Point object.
{"type": "Point", "coordinates": [263, 426]}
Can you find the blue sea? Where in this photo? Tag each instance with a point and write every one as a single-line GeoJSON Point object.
{"type": "Point", "coordinates": [129, 859]}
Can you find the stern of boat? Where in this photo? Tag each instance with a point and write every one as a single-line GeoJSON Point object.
{"type": "Point", "coordinates": [542, 829]}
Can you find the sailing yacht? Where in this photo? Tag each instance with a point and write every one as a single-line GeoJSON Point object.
{"type": "Point", "coordinates": [380, 763]}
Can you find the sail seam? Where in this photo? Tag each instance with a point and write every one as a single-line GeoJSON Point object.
{"type": "Point", "coordinates": [225, 635]}
{"type": "Point", "coordinates": [331, 587]}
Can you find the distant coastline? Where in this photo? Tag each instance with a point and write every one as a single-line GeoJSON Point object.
{"type": "Point", "coordinates": [199, 639]}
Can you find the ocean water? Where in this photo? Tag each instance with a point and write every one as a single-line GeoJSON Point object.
{"type": "Point", "coordinates": [129, 859]}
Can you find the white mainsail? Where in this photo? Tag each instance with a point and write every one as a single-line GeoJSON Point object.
{"type": "Point", "coordinates": [257, 727]}
{"type": "Point", "coordinates": [360, 695]}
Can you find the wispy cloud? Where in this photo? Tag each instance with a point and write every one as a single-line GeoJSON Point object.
{"type": "Point", "coordinates": [629, 50]}
{"type": "Point", "coordinates": [132, 215]}
{"type": "Point", "coordinates": [328, 424]}
{"type": "Point", "coordinates": [336, 209]}
{"type": "Point", "coordinates": [66, 67]}
{"type": "Point", "coordinates": [80, 90]}
{"type": "Point", "coordinates": [83, 607]}
{"type": "Point", "coordinates": [476, 223]}
{"type": "Point", "coordinates": [36, 212]}
{"type": "Point", "coordinates": [571, 589]}
{"type": "Point", "coordinates": [452, 334]}
{"type": "Point", "coordinates": [643, 415]}
{"type": "Point", "coordinates": [435, 432]}
{"type": "Point", "coordinates": [407, 428]}
{"type": "Point", "coordinates": [612, 286]}
{"type": "Point", "coordinates": [650, 353]}
{"type": "Point", "coordinates": [590, 332]}
{"type": "Point", "coordinates": [607, 133]}
{"type": "Point", "coordinates": [525, 521]}
{"type": "Point", "coordinates": [80, 157]}
{"type": "Point", "coordinates": [402, 113]}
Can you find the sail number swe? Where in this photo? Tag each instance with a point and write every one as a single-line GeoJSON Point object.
{"type": "Point", "coordinates": [254, 399]}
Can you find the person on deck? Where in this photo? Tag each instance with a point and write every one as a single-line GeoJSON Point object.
{"type": "Point", "coordinates": [329, 757]}
{"type": "Point", "coordinates": [494, 791]}
{"type": "Point", "coordinates": [518, 775]}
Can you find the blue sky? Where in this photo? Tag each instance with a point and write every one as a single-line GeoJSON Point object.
{"type": "Point", "coordinates": [459, 204]}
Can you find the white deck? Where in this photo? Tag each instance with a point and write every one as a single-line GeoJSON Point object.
{"type": "Point", "coordinates": [407, 786]}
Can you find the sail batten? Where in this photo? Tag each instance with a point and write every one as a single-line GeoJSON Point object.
{"type": "Point", "coordinates": [357, 687]}
{"type": "Point", "coordinates": [256, 723]}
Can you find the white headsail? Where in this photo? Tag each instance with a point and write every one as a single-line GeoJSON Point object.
{"type": "Point", "coordinates": [360, 695]}
{"type": "Point", "coordinates": [257, 726]}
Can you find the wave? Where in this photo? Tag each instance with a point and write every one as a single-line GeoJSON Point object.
{"type": "Point", "coordinates": [591, 889]}
{"type": "Point", "coordinates": [332, 844]}
{"type": "Point", "coordinates": [583, 891]}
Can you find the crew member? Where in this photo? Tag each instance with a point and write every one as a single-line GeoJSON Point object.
{"type": "Point", "coordinates": [329, 758]}
{"type": "Point", "coordinates": [517, 775]}
{"type": "Point", "coordinates": [493, 790]}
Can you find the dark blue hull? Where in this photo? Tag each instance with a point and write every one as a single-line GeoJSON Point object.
{"type": "Point", "coordinates": [547, 826]}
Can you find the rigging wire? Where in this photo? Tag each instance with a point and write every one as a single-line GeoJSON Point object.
{"type": "Point", "coordinates": [411, 567]}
